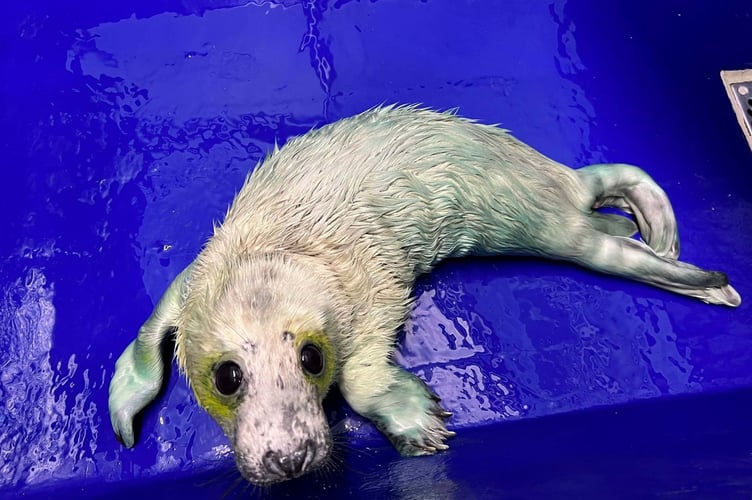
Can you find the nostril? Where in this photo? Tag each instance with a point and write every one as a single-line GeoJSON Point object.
{"type": "Point", "coordinates": [310, 452]}
{"type": "Point", "coordinates": [292, 464]}
{"type": "Point", "coordinates": [272, 463]}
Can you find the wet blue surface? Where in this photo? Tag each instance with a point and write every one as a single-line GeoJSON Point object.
{"type": "Point", "coordinates": [126, 129]}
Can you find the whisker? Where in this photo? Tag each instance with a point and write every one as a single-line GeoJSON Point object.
{"type": "Point", "coordinates": [233, 486]}
{"type": "Point", "coordinates": [341, 449]}
{"type": "Point", "coordinates": [223, 474]}
{"type": "Point", "coordinates": [262, 491]}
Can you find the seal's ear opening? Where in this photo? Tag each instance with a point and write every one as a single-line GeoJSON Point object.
{"type": "Point", "coordinates": [166, 355]}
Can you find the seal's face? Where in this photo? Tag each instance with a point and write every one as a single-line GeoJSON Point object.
{"type": "Point", "coordinates": [260, 361]}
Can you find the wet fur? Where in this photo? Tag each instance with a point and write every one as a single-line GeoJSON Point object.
{"type": "Point", "coordinates": [330, 233]}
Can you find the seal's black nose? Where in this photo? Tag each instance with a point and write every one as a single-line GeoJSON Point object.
{"type": "Point", "coordinates": [290, 465]}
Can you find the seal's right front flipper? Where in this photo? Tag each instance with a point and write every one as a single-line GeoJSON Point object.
{"type": "Point", "coordinates": [139, 371]}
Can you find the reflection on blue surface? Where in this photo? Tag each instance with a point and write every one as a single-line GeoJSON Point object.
{"type": "Point", "coordinates": [126, 129]}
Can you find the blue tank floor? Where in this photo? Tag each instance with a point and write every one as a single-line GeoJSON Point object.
{"type": "Point", "coordinates": [126, 129]}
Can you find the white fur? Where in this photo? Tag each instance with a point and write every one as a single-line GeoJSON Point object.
{"type": "Point", "coordinates": [329, 235]}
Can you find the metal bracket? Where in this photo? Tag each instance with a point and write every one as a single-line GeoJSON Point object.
{"type": "Point", "coordinates": [739, 89]}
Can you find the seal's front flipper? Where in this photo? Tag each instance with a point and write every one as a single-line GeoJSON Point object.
{"type": "Point", "coordinates": [633, 190]}
{"type": "Point", "coordinates": [407, 412]}
{"type": "Point", "coordinates": [139, 370]}
{"type": "Point", "coordinates": [410, 416]}
{"type": "Point", "coordinates": [136, 382]}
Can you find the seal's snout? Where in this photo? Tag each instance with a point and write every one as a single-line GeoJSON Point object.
{"type": "Point", "coordinates": [288, 465]}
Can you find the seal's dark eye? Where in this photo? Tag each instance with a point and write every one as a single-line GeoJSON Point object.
{"type": "Point", "coordinates": [312, 359]}
{"type": "Point", "coordinates": [228, 377]}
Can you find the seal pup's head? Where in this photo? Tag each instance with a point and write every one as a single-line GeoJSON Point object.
{"type": "Point", "coordinates": [254, 341]}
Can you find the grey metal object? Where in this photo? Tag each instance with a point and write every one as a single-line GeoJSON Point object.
{"type": "Point", "coordinates": [739, 89]}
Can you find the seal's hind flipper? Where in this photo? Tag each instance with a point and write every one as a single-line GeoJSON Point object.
{"type": "Point", "coordinates": [635, 260]}
{"type": "Point", "coordinates": [613, 224]}
{"type": "Point", "coordinates": [139, 370]}
{"type": "Point", "coordinates": [630, 188]}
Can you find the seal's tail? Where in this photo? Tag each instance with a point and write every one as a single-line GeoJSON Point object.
{"type": "Point", "coordinates": [613, 252]}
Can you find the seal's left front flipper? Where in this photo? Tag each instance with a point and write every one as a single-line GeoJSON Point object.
{"type": "Point", "coordinates": [139, 371]}
{"type": "Point", "coordinates": [408, 413]}
{"type": "Point", "coordinates": [410, 416]}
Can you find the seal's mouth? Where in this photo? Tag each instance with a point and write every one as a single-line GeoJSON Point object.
{"type": "Point", "coordinates": [276, 466]}
{"type": "Point", "coordinates": [290, 465]}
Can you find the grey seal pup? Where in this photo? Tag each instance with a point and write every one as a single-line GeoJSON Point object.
{"type": "Point", "coordinates": [308, 279]}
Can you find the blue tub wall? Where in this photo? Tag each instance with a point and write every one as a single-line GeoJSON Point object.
{"type": "Point", "coordinates": [126, 130]}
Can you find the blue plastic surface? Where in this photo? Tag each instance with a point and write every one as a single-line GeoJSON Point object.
{"type": "Point", "coordinates": [126, 128]}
